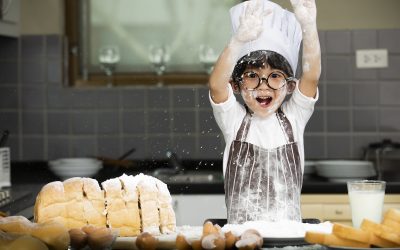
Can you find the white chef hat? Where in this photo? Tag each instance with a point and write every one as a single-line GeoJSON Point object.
{"type": "Point", "coordinates": [281, 32]}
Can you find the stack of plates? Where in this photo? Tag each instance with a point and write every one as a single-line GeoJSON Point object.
{"type": "Point", "coordinates": [75, 167]}
{"type": "Point", "coordinates": [344, 170]}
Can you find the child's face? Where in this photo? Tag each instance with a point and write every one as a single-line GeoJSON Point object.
{"type": "Point", "coordinates": [264, 100]}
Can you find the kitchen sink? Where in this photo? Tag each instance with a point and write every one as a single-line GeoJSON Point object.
{"type": "Point", "coordinates": [206, 177]}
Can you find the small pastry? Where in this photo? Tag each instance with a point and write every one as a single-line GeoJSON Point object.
{"type": "Point", "coordinates": [214, 241]}
{"type": "Point", "coordinates": [249, 240]}
{"type": "Point", "coordinates": [101, 238]}
{"type": "Point", "coordinates": [196, 245]}
{"type": "Point", "coordinates": [208, 228]}
{"type": "Point", "coordinates": [230, 240]}
{"type": "Point", "coordinates": [79, 238]}
{"type": "Point", "coordinates": [181, 243]}
{"type": "Point", "coordinates": [146, 241]}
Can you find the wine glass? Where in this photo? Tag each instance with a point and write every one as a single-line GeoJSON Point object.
{"type": "Point", "coordinates": [159, 56]}
{"type": "Point", "coordinates": [207, 57]}
{"type": "Point", "coordinates": [109, 56]}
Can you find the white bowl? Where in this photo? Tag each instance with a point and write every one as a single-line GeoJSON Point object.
{"type": "Point", "coordinates": [309, 167]}
{"type": "Point", "coordinates": [347, 169]}
{"type": "Point", "coordinates": [75, 167]}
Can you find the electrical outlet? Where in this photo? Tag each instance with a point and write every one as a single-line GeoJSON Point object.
{"type": "Point", "coordinates": [372, 58]}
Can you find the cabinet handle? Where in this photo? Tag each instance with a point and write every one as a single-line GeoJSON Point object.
{"type": "Point", "coordinates": [338, 212]}
{"type": "Point", "coordinates": [175, 205]}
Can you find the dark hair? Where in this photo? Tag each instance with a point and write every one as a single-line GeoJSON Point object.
{"type": "Point", "coordinates": [261, 58]}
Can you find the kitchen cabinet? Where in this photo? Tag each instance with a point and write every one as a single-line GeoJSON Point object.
{"type": "Point", "coordinates": [10, 18]}
{"type": "Point", "coordinates": [194, 209]}
{"type": "Point", "coordinates": [336, 207]}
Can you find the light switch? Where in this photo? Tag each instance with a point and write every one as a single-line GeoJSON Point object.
{"type": "Point", "coordinates": [372, 58]}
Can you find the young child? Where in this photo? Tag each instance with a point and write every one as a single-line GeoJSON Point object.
{"type": "Point", "coordinates": [264, 154]}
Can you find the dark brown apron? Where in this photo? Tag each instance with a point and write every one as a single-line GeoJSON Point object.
{"type": "Point", "coordinates": [263, 184]}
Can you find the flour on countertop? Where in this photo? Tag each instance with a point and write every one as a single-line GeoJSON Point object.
{"type": "Point", "coordinates": [281, 229]}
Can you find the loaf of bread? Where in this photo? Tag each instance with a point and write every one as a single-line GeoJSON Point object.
{"type": "Point", "coordinates": [128, 204]}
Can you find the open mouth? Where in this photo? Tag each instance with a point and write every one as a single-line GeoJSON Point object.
{"type": "Point", "coordinates": [264, 100]}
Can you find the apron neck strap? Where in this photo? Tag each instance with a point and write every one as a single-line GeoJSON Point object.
{"type": "Point", "coordinates": [285, 125]}
{"type": "Point", "coordinates": [283, 121]}
{"type": "Point", "coordinates": [244, 127]}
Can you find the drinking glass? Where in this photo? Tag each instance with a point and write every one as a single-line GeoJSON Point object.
{"type": "Point", "coordinates": [159, 57]}
{"type": "Point", "coordinates": [109, 56]}
{"type": "Point", "coordinates": [366, 200]}
{"type": "Point", "coordinates": [207, 57]}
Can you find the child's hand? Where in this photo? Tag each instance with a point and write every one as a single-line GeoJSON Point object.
{"type": "Point", "coordinates": [251, 21]}
{"type": "Point", "coordinates": [305, 11]}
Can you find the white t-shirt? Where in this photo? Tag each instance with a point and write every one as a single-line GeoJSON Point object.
{"type": "Point", "coordinates": [264, 132]}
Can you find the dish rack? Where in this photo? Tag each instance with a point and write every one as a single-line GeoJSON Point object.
{"type": "Point", "coordinates": [5, 168]}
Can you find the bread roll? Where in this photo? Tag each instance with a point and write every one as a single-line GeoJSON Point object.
{"type": "Point", "coordinates": [54, 234]}
{"type": "Point", "coordinates": [26, 242]}
{"type": "Point", "coordinates": [16, 224]}
{"type": "Point", "coordinates": [6, 238]}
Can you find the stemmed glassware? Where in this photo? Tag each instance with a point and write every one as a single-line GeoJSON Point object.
{"type": "Point", "coordinates": [109, 56]}
{"type": "Point", "coordinates": [159, 57]}
{"type": "Point", "coordinates": [207, 57]}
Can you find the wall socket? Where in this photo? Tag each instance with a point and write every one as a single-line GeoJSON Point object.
{"type": "Point", "coordinates": [372, 58]}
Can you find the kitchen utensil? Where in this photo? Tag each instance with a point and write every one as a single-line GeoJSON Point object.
{"type": "Point", "coordinates": [4, 138]}
{"type": "Point", "coordinates": [386, 158]}
{"type": "Point", "coordinates": [120, 161]}
{"type": "Point", "coordinates": [75, 167]}
{"type": "Point", "coordinates": [5, 167]}
{"type": "Point", "coordinates": [344, 170]}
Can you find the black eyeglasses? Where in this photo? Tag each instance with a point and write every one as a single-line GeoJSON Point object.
{"type": "Point", "coordinates": [276, 80]}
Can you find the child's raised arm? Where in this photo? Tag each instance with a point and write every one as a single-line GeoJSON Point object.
{"type": "Point", "coordinates": [306, 14]}
{"type": "Point", "coordinates": [249, 29]}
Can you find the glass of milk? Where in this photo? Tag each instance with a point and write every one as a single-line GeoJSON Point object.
{"type": "Point", "coordinates": [366, 200]}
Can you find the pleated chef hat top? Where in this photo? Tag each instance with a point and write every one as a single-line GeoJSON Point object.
{"type": "Point", "coordinates": [281, 32]}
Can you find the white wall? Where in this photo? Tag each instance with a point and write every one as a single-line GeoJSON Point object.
{"type": "Point", "coordinates": [42, 17]}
